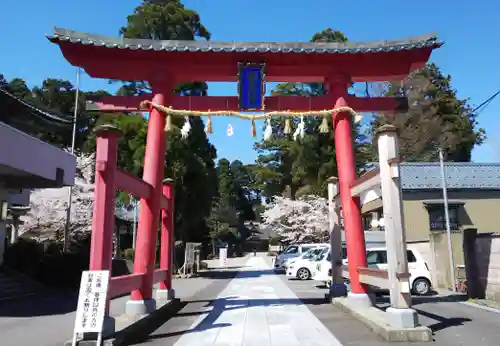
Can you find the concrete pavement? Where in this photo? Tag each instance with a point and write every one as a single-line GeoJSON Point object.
{"type": "Point", "coordinates": [452, 322]}
{"type": "Point", "coordinates": [258, 309]}
{"type": "Point", "coordinates": [248, 304]}
{"type": "Point", "coordinates": [48, 320]}
{"type": "Point", "coordinates": [245, 303]}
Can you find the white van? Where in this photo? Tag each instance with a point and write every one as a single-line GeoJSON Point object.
{"type": "Point", "coordinates": [376, 257]}
{"type": "Point", "coordinates": [292, 251]}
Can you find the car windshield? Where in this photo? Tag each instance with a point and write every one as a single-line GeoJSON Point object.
{"type": "Point", "coordinates": [311, 253]}
{"type": "Point", "coordinates": [321, 254]}
{"type": "Point", "coordinates": [291, 249]}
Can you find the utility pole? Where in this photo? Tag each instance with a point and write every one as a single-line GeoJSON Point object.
{"type": "Point", "coordinates": [73, 140]}
{"type": "Point", "coordinates": [447, 220]}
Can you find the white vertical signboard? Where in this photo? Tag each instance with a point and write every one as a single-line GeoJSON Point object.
{"type": "Point", "coordinates": [190, 248]}
{"type": "Point", "coordinates": [222, 257]}
{"type": "Point", "coordinates": [91, 302]}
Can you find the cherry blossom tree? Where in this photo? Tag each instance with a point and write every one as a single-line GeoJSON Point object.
{"type": "Point", "coordinates": [303, 219]}
{"type": "Point", "coordinates": [48, 207]}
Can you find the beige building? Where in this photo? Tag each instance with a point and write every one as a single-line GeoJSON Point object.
{"type": "Point", "coordinates": [474, 205]}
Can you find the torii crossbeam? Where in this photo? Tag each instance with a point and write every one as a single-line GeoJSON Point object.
{"type": "Point", "coordinates": [230, 103]}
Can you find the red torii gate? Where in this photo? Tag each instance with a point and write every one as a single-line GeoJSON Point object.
{"type": "Point", "coordinates": [164, 64]}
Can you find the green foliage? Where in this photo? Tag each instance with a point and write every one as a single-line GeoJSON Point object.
{"type": "Point", "coordinates": [436, 118]}
{"type": "Point", "coordinates": [233, 205]}
{"type": "Point", "coordinates": [304, 165]}
{"type": "Point", "coordinates": [129, 254]}
{"type": "Point", "coordinates": [190, 162]}
{"type": "Point", "coordinates": [164, 20]}
{"type": "Point", "coordinates": [53, 268]}
{"type": "Point", "coordinates": [329, 35]}
{"type": "Point", "coordinates": [57, 97]}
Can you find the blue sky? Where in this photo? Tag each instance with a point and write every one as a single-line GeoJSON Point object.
{"type": "Point", "coordinates": [471, 53]}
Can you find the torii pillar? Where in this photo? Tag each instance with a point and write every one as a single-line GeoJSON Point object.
{"type": "Point", "coordinates": [141, 300]}
{"type": "Point", "coordinates": [351, 211]}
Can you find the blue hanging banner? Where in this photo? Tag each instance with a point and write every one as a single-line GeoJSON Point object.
{"type": "Point", "coordinates": [251, 86]}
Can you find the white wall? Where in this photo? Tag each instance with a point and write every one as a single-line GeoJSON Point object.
{"type": "Point", "coordinates": [31, 155]}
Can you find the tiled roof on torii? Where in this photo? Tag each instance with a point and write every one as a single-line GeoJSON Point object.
{"type": "Point", "coordinates": [425, 41]}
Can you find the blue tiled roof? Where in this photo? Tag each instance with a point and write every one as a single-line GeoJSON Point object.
{"type": "Point", "coordinates": [460, 175]}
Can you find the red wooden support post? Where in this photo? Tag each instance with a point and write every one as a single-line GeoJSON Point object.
{"type": "Point", "coordinates": [166, 291]}
{"type": "Point", "coordinates": [344, 146]}
{"type": "Point", "coordinates": [103, 219]}
{"type": "Point", "coordinates": [142, 301]}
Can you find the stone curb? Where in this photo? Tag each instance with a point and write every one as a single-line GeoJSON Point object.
{"type": "Point", "coordinates": [139, 330]}
{"type": "Point", "coordinates": [482, 307]}
{"type": "Point", "coordinates": [374, 319]}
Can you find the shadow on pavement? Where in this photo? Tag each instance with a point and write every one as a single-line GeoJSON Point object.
{"type": "Point", "coordinates": [39, 305]}
{"type": "Point", "coordinates": [228, 267]}
{"type": "Point", "coordinates": [416, 300]}
{"type": "Point", "coordinates": [207, 323]}
{"type": "Point", "coordinates": [227, 304]}
{"type": "Point", "coordinates": [244, 274]}
{"type": "Point", "coordinates": [444, 322]}
{"type": "Point", "coordinates": [232, 303]}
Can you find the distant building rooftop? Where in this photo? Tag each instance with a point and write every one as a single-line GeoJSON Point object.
{"type": "Point", "coordinates": [30, 118]}
{"type": "Point", "coordinates": [26, 161]}
{"type": "Point", "coordinates": [460, 175]}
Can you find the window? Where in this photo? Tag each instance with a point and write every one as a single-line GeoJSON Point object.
{"type": "Point", "coordinates": [291, 249]}
{"type": "Point", "coordinates": [344, 253]}
{"type": "Point", "coordinates": [307, 248]}
{"type": "Point", "coordinates": [367, 222]}
{"type": "Point", "coordinates": [437, 217]}
{"type": "Point", "coordinates": [410, 256]}
{"type": "Point", "coordinates": [376, 257]}
{"type": "Point", "coordinates": [329, 257]}
{"type": "Point", "coordinates": [321, 255]}
{"type": "Point", "coordinates": [307, 254]}
{"type": "Point", "coordinates": [311, 253]}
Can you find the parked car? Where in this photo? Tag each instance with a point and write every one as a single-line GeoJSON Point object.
{"type": "Point", "coordinates": [302, 267]}
{"type": "Point", "coordinates": [376, 257]}
{"type": "Point", "coordinates": [322, 267]}
{"type": "Point", "coordinates": [420, 276]}
{"type": "Point", "coordinates": [292, 251]}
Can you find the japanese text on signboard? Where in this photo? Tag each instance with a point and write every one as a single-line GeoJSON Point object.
{"type": "Point", "coordinates": [91, 301]}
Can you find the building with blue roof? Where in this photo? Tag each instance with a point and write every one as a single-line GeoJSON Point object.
{"type": "Point", "coordinates": [474, 203]}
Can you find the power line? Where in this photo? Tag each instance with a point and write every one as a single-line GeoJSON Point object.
{"type": "Point", "coordinates": [485, 103]}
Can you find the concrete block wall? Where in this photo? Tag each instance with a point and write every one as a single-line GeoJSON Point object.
{"type": "Point", "coordinates": [488, 264]}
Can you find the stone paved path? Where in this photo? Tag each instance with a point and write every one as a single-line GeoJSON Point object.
{"type": "Point", "coordinates": [257, 309]}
